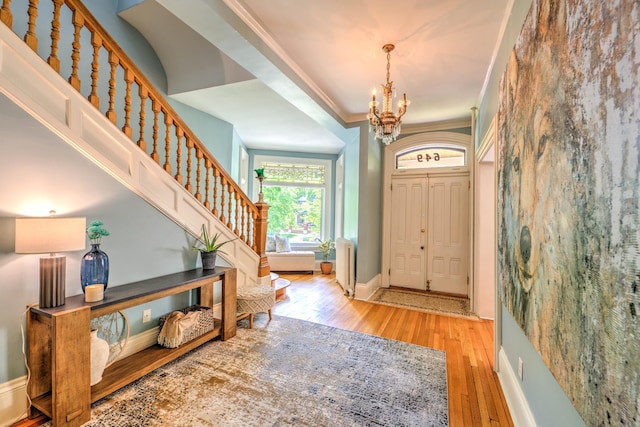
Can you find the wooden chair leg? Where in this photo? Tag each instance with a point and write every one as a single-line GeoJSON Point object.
{"type": "Point", "coordinates": [270, 315]}
{"type": "Point", "coordinates": [251, 321]}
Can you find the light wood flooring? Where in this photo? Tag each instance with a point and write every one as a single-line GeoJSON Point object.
{"type": "Point", "coordinates": [475, 395]}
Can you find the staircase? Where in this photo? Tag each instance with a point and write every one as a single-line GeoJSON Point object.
{"type": "Point", "coordinates": [106, 108]}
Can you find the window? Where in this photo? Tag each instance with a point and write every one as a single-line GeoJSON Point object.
{"type": "Point", "coordinates": [432, 156]}
{"type": "Point", "coordinates": [299, 193]}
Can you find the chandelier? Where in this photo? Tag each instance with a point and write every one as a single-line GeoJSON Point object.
{"type": "Point", "coordinates": [386, 124]}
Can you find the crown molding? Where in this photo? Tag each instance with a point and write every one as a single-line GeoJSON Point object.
{"type": "Point", "coordinates": [462, 122]}
{"type": "Point", "coordinates": [250, 21]}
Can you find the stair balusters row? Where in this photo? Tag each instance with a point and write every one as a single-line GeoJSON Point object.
{"type": "Point", "coordinates": [159, 131]}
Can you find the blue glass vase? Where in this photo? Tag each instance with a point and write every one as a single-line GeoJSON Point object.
{"type": "Point", "coordinates": [94, 267]}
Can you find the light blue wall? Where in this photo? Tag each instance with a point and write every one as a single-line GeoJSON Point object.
{"type": "Point", "coordinates": [351, 190]}
{"type": "Point", "coordinates": [45, 173]}
{"type": "Point", "coordinates": [369, 248]}
{"type": "Point", "coordinates": [235, 156]}
{"type": "Point", "coordinates": [143, 242]}
{"type": "Point", "coordinates": [548, 402]}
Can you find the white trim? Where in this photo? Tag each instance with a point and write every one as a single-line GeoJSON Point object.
{"type": "Point", "coordinates": [516, 401]}
{"type": "Point", "coordinates": [496, 49]}
{"type": "Point", "coordinates": [239, 9]}
{"type": "Point", "coordinates": [363, 291]}
{"type": "Point", "coordinates": [389, 171]}
{"type": "Point", "coordinates": [444, 125]}
{"type": "Point", "coordinates": [327, 208]}
{"type": "Point", "coordinates": [13, 401]}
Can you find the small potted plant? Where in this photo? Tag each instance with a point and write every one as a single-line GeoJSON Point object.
{"type": "Point", "coordinates": [209, 248]}
{"type": "Point", "coordinates": [326, 246]}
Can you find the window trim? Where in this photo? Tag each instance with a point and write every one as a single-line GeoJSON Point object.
{"type": "Point", "coordinates": [327, 202]}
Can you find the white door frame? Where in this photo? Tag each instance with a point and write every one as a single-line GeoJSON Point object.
{"type": "Point", "coordinates": [390, 151]}
{"type": "Point", "coordinates": [487, 150]}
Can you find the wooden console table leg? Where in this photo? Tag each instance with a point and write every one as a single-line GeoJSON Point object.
{"type": "Point", "coordinates": [229, 295]}
{"type": "Point", "coordinates": [71, 368]}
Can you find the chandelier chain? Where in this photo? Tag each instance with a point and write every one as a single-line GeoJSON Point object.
{"type": "Point", "coordinates": [388, 66]}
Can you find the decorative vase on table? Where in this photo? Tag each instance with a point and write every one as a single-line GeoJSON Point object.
{"type": "Point", "coordinates": [99, 356]}
{"type": "Point", "coordinates": [94, 268]}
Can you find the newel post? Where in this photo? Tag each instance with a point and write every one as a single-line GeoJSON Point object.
{"type": "Point", "coordinates": [261, 238]}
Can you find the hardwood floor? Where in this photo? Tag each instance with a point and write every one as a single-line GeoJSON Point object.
{"type": "Point", "coordinates": [475, 395]}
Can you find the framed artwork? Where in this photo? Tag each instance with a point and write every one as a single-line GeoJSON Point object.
{"type": "Point", "coordinates": [568, 199]}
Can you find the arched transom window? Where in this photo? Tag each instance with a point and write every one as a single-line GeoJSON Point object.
{"type": "Point", "coordinates": [431, 156]}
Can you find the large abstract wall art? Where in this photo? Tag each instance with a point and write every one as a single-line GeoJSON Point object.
{"type": "Point", "coordinates": [568, 204]}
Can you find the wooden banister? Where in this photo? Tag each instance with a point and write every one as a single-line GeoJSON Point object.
{"type": "Point", "coordinates": [208, 182]}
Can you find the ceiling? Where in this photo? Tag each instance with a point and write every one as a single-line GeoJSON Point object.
{"type": "Point", "coordinates": [297, 75]}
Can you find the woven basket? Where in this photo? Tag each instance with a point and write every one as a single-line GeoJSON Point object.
{"type": "Point", "coordinates": [204, 324]}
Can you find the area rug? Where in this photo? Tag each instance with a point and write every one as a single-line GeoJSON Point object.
{"type": "Point", "coordinates": [429, 303]}
{"type": "Point", "coordinates": [284, 373]}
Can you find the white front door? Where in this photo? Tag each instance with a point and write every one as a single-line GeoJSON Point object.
{"type": "Point", "coordinates": [448, 234]}
{"type": "Point", "coordinates": [429, 242]}
{"type": "Point", "coordinates": [408, 222]}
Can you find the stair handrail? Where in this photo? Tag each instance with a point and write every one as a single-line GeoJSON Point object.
{"type": "Point", "coordinates": [223, 197]}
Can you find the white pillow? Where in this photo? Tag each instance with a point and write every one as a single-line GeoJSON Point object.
{"type": "Point", "coordinates": [271, 243]}
{"type": "Point", "coordinates": [282, 244]}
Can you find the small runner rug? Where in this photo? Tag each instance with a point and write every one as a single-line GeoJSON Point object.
{"type": "Point", "coordinates": [288, 372]}
{"type": "Point", "coordinates": [429, 303]}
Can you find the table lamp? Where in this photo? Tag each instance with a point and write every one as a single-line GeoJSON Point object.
{"type": "Point", "coordinates": [51, 234]}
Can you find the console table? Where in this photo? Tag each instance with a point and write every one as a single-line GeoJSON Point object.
{"type": "Point", "coordinates": [58, 350]}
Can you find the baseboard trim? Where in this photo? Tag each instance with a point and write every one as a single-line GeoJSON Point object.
{"type": "Point", "coordinates": [13, 401]}
{"type": "Point", "coordinates": [364, 291]}
{"type": "Point", "coordinates": [518, 406]}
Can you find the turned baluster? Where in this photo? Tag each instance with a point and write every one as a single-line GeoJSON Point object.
{"type": "Point", "coordinates": [216, 174]}
{"type": "Point", "coordinates": [5, 13]}
{"type": "Point", "coordinates": [96, 42]}
{"type": "Point", "coordinates": [223, 186]}
{"type": "Point", "coordinates": [244, 218]}
{"type": "Point", "coordinates": [128, 78]}
{"type": "Point", "coordinates": [78, 22]}
{"type": "Point", "coordinates": [230, 205]}
{"type": "Point", "coordinates": [113, 62]}
{"type": "Point", "coordinates": [155, 107]}
{"type": "Point", "coordinates": [189, 187]}
{"type": "Point", "coordinates": [143, 92]}
{"type": "Point", "coordinates": [167, 141]}
{"type": "Point", "coordinates": [238, 214]}
{"type": "Point", "coordinates": [53, 59]}
{"type": "Point", "coordinates": [179, 133]}
{"type": "Point", "coordinates": [198, 179]}
{"type": "Point", "coordinates": [30, 37]}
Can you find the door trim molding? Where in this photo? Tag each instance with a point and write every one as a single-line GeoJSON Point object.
{"type": "Point", "coordinates": [389, 171]}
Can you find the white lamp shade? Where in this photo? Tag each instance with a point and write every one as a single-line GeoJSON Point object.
{"type": "Point", "coordinates": [50, 234]}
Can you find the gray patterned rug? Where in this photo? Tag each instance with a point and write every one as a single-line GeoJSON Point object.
{"type": "Point", "coordinates": [438, 304]}
{"type": "Point", "coordinates": [288, 372]}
